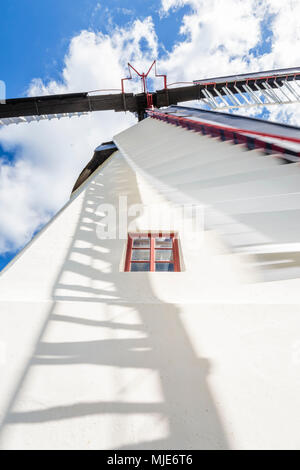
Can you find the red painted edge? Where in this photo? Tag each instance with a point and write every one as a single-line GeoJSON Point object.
{"type": "Point", "coordinates": [128, 254]}
{"type": "Point", "coordinates": [152, 253]}
{"type": "Point", "coordinates": [176, 255]}
{"type": "Point", "coordinates": [225, 128]}
{"type": "Point", "coordinates": [267, 77]}
{"type": "Point", "coordinates": [229, 133]}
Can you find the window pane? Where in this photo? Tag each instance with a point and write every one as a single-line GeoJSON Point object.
{"type": "Point", "coordinates": [164, 267]}
{"type": "Point", "coordinates": [163, 255]}
{"type": "Point", "coordinates": [140, 255]}
{"type": "Point", "coordinates": [163, 242]}
{"type": "Point", "coordinates": [141, 242]}
{"type": "Point", "coordinates": [140, 267]}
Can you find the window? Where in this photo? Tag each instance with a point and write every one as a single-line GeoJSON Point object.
{"type": "Point", "coordinates": [152, 252]}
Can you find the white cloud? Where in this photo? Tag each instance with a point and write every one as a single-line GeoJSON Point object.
{"type": "Point", "coordinates": [220, 36]}
{"type": "Point", "coordinates": [217, 37]}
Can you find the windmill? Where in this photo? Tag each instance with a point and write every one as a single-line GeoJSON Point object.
{"type": "Point", "coordinates": [145, 338]}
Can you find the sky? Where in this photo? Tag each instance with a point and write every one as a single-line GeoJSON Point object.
{"type": "Point", "coordinates": [61, 46]}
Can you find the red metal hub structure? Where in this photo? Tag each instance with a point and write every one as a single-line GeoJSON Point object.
{"type": "Point", "coordinates": [143, 76]}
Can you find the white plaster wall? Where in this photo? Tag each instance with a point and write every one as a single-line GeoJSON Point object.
{"type": "Point", "coordinates": [250, 199]}
{"type": "Point", "coordinates": [95, 358]}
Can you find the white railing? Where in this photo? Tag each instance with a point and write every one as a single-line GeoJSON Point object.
{"type": "Point", "coordinates": [28, 119]}
{"type": "Point", "coordinates": [286, 92]}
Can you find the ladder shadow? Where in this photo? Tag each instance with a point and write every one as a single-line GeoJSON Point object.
{"type": "Point", "coordinates": [157, 342]}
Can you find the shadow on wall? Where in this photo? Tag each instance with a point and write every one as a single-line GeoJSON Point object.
{"type": "Point", "coordinates": [276, 259]}
{"type": "Point", "coordinates": [156, 342]}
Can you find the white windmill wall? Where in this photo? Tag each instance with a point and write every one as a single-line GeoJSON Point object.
{"type": "Point", "coordinates": [93, 357]}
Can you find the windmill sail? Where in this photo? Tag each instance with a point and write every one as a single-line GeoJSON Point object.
{"type": "Point", "coordinates": [271, 87]}
{"type": "Point", "coordinates": [232, 92]}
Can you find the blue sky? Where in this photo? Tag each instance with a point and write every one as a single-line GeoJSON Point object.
{"type": "Point", "coordinates": [35, 35]}
{"type": "Point", "coordinates": [75, 45]}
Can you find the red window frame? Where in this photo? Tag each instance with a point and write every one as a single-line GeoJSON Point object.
{"type": "Point", "coordinates": [152, 248]}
